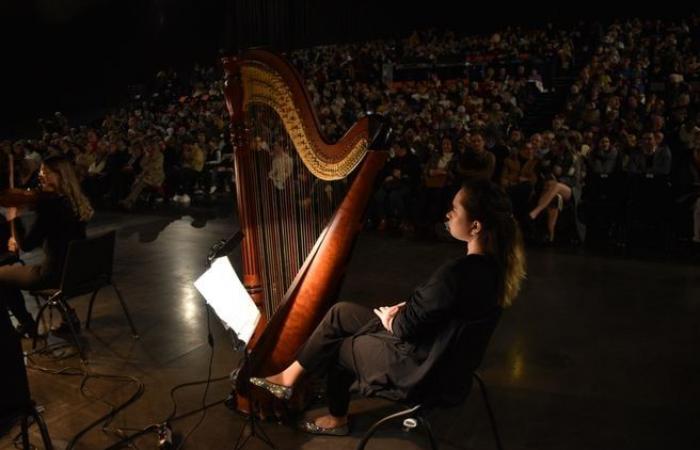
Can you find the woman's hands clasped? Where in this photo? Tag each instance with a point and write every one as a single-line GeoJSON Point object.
{"type": "Point", "coordinates": [387, 313]}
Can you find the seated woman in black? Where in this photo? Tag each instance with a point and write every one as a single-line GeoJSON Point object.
{"type": "Point", "coordinates": [61, 215]}
{"type": "Point", "coordinates": [393, 348]}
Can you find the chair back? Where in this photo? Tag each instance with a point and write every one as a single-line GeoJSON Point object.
{"type": "Point", "coordinates": [88, 265]}
{"type": "Point", "coordinates": [450, 381]}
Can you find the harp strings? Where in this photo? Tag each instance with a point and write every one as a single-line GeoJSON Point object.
{"type": "Point", "coordinates": [292, 206]}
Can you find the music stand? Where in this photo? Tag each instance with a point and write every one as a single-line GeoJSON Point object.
{"type": "Point", "coordinates": [224, 292]}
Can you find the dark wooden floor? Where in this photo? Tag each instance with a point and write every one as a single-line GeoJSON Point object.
{"type": "Point", "coordinates": [598, 352]}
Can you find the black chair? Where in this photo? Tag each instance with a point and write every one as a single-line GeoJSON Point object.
{"type": "Point", "coordinates": [600, 205]}
{"type": "Point", "coordinates": [470, 342]}
{"type": "Point", "coordinates": [87, 269]}
{"type": "Point", "coordinates": [648, 212]}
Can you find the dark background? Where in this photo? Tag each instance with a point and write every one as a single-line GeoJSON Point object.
{"type": "Point", "coordinates": [80, 55]}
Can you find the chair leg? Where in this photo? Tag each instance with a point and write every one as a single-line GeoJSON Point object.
{"type": "Point", "coordinates": [487, 403]}
{"type": "Point", "coordinates": [134, 333]}
{"type": "Point", "coordinates": [429, 432]}
{"type": "Point", "coordinates": [63, 309]}
{"type": "Point", "coordinates": [89, 314]}
{"type": "Point", "coordinates": [38, 307]}
{"type": "Point", "coordinates": [43, 429]}
{"type": "Point", "coordinates": [26, 445]}
{"type": "Point", "coordinates": [407, 412]}
{"type": "Point", "coordinates": [39, 316]}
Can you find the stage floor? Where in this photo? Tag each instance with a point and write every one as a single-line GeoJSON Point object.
{"type": "Point", "coordinates": [598, 352]}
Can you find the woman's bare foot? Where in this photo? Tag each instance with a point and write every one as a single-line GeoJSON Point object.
{"type": "Point", "coordinates": [288, 376]}
{"type": "Point", "coordinates": [278, 379]}
{"type": "Point", "coordinates": [327, 425]}
{"type": "Point", "coordinates": [329, 421]}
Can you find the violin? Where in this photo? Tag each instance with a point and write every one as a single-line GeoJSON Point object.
{"type": "Point", "coordinates": [16, 197]}
{"type": "Point", "coordinates": [13, 197]}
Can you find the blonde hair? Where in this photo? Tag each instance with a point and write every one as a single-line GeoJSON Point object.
{"type": "Point", "coordinates": [69, 186]}
{"type": "Point", "coordinates": [488, 204]}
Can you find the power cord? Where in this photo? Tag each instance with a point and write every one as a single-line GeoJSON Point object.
{"type": "Point", "coordinates": [86, 374]}
{"type": "Point", "coordinates": [156, 427]}
{"type": "Point", "coordinates": [163, 429]}
{"type": "Point", "coordinates": [210, 340]}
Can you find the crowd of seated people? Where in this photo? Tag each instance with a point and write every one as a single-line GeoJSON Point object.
{"type": "Point", "coordinates": [156, 146]}
{"type": "Point", "coordinates": [626, 138]}
{"type": "Point", "coordinates": [623, 151]}
{"type": "Point", "coordinates": [115, 156]}
{"type": "Point", "coordinates": [346, 81]}
{"type": "Point", "coordinates": [636, 106]}
{"type": "Point", "coordinates": [452, 127]}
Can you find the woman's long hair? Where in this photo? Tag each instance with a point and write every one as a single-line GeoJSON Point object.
{"type": "Point", "coordinates": [69, 186]}
{"type": "Point", "coordinates": [487, 203]}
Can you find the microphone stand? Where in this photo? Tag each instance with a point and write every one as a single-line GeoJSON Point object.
{"type": "Point", "coordinates": [163, 430]}
{"type": "Point", "coordinates": [223, 248]}
{"type": "Point", "coordinates": [256, 431]}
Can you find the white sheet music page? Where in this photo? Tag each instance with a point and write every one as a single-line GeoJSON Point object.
{"type": "Point", "coordinates": [225, 293]}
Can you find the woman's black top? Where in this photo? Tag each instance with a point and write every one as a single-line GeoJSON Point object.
{"type": "Point", "coordinates": [463, 288]}
{"type": "Point", "coordinates": [436, 315]}
{"type": "Point", "coordinates": [56, 225]}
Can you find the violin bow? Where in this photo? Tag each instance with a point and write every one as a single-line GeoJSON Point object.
{"type": "Point", "coordinates": [11, 173]}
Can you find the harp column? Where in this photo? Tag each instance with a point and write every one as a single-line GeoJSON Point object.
{"type": "Point", "coordinates": [233, 88]}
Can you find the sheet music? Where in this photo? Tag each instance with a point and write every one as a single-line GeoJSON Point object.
{"type": "Point", "coordinates": [227, 296]}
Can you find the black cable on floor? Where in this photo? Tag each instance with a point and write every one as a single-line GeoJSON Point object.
{"type": "Point", "coordinates": [107, 418]}
{"type": "Point", "coordinates": [87, 375]}
{"type": "Point", "coordinates": [48, 350]}
{"type": "Point", "coordinates": [172, 417]}
{"type": "Point", "coordinates": [210, 340]}
{"type": "Point", "coordinates": [151, 428]}
{"type": "Point", "coordinates": [126, 440]}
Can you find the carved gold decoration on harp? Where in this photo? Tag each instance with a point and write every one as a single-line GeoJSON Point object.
{"type": "Point", "coordinates": [267, 88]}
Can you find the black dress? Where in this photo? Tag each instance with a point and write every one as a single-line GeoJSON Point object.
{"type": "Point", "coordinates": [56, 225]}
{"type": "Point", "coordinates": [353, 346]}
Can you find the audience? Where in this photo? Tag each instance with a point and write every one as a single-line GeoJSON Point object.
{"type": "Point", "coordinates": [628, 132]}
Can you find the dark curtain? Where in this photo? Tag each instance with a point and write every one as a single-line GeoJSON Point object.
{"type": "Point", "coordinates": [288, 24]}
{"type": "Point", "coordinates": [80, 55]}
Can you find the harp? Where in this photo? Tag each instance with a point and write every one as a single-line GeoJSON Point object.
{"type": "Point", "coordinates": [300, 200]}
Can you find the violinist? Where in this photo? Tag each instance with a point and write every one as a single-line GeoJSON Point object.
{"type": "Point", "coordinates": [62, 211]}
